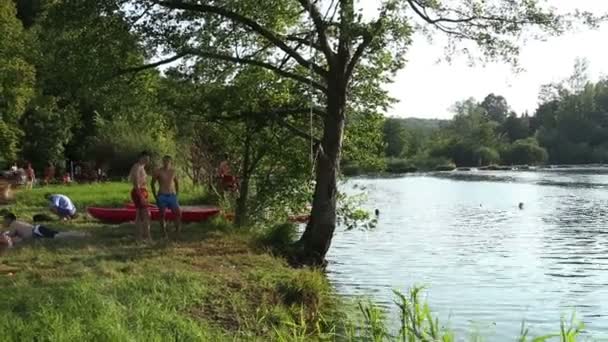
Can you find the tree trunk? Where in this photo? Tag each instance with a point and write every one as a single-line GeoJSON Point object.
{"type": "Point", "coordinates": [316, 240]}
{"type": "Point", "coordinates": [241, 214]}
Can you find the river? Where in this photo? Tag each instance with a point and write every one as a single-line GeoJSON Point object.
{"type": "Point", "coordinates": [487, 265]}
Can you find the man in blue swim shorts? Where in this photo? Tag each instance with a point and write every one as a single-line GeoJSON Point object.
{"type": "Point", "coordinates": [166, 197]}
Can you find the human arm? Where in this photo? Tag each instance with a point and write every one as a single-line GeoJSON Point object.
{"type": "Point", "coordinates": [153, 185]}
{"type": "Point", "coordinates": [176, 182]}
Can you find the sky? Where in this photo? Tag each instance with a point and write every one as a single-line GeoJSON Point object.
{"type": "Point", "coordinates": [428, 89]}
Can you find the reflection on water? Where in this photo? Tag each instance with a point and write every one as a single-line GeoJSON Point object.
{"type": "Point", "coordinates": [487, 264]}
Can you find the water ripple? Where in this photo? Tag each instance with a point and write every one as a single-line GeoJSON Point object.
{"type": "Point", "coordinates": [484, 260]}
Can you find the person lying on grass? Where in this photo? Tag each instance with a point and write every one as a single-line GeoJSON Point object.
{"type": "Point", "coordinates": [21, 231]}
{"type": "Point", "coordinates": [61, 205]}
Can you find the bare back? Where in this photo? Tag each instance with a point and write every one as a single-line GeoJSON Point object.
{"type": "Point", "coordinates": [138, 175]}
{"type": "Point", "coordinates": [21, 230]}
{"type": "Point", "coordinates": [166, 180]}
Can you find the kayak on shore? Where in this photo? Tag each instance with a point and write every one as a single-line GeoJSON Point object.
{"type": "Point", "coordinates": [190, 214]}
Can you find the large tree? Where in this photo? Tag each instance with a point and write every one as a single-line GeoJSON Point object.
{"type": "Point", "coordinates": [333, 47]}
{"type": "Point", "coordinates": [17, 79]}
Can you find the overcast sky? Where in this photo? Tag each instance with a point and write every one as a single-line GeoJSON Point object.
{"type": "Point", "coordinates": [427, 89]}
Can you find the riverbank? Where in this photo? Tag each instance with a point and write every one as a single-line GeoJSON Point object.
{"type": "Point", "coordinates": [212, 284]}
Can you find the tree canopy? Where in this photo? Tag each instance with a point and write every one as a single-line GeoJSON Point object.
{"type": "Point", "coordinates": [108, 77]}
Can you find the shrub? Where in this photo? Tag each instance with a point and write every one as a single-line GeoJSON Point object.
{"type": "Point", "coordinates": [487, 156]}
{"type": "Point", "coordinates": [280, 237]}
{"type": "Point", "coordinates": [423, 161]}
{"type": "Point", "coordinates": [117, 145]}
{"type": "Point", "coordinates": [396, 165]}
{"type": "Point", "coordinates": [307, 288]}
{"type": "Point", "coordinates": [525, 152]}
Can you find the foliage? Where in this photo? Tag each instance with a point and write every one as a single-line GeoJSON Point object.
{"type": "Point", "coordinates": [9, 138]}
{"type": "Point", "coordinates": [395, 138]}
{"type": "Point", "coordinates": [279, 237]}
{"type": "Point", "coordinates": [47, 130]}
{"type": "Point", "coordinates": [525, 152]}
{"type": "Point", "coordinates": [487, 156]}
{"type": "Point", "coordinates": [396, 165]}
{"type": "Point", "coordinates": [17, 78]}
{"type": "Point", "coordinates": [117, 145]}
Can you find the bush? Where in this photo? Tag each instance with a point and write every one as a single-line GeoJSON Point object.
{"type": "Point", "coordinates": [307, 289]}
{"type": "Point", "coordinates": [351, 169]}
{"type": "Point", "coordinates": [9, 139]}
{"type": "Point", "coordinates": [525, 152]}
{"type": "Point", "coordinates": [118, 144]}
{"type": "Point", "coordinates": [280, 237]}
{"type": "Point", "coordinates": [425, 162]}
{"type": "Point", "coordinates": [487, 156]}
{"type": "Point", "coordinates": [47, 127]}
{"type": "Point", "coordinates": [396, 165]}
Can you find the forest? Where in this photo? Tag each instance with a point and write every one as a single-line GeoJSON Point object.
{"type": "Point", "coordinates": [569, 126]}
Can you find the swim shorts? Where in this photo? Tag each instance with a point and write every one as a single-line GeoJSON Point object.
{"type": "Point", "coordinates": [43, 232]}
{"type": "Point", "coordinates": [139, 196]}
{"type": "Point", "coordinates": [167, 201]}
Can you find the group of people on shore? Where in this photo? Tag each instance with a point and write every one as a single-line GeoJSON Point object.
{"type": "Point", "coordinates": [165, 197]}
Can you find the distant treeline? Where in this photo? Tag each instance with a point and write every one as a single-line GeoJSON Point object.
{"type": "Point", "coordinates": [570, 126]}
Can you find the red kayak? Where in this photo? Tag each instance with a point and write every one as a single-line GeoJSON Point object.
{"type": "Point", "coordinates": [120, 215]}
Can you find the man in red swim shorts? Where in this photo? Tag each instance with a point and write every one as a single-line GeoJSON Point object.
{"type": "Point", "coordinates": [139, 196]}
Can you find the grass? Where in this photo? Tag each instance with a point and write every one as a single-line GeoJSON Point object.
{"type": "Point", "coordinates": [96, 194]}
{"type": "Point", "coordinates": [213, 284]}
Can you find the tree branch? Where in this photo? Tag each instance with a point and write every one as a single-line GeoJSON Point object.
{"type": "Point", "coordinates": [252, 24]}
{"type": "Point", "coordinates": [298, 132]}
{"type": "Point", "coordinates": [277, 70]}
{"type": "Point", "coordinates": [368, 37]}
{"type": "Point", "coordinates": [358, 54]}
{"type": "Point", "coordinates": [138, 69]}
{"type": "Point", "coordinates": [420, 10]}
{"type": "Point", "coordinates": [320, 28]}
{"type": "Point", "coordinates": [211, 55]}
{"type": "Point", "coordinates": [303, 41]}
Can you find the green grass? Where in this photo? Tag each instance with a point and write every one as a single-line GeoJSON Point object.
{"type": "Point", "coordinates": [213, 284]}
{"type": "Point", "coordinates": [111, 194]}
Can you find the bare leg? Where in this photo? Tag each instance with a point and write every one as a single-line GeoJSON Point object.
{"type": "Point", "coordinates": [178, 220]}
{"type": "Point", "coordinates": [138, 224]}
{"type": "Point", "coordinates": [163, 222]}
{"type": "Point", "coordinates": [146, 224]}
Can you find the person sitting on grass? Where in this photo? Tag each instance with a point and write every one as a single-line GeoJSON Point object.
{"type": "Point", "coordinates": [21, 231]}
{"type": "Point", "coordinates": [61, 205]}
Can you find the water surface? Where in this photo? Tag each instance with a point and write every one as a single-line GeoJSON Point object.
{"type": "Point", "coordinates": [487, 264]}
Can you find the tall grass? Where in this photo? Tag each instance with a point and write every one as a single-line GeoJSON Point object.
{"type": "Point", "coordinates": [418, 324]}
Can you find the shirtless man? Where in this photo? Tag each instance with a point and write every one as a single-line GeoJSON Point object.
{"type": "Point", "coordinates": [139, 196]}
{"type": "Point", "coordinates": [19, 231]}
{"type": "Point", "coordinates": [167, 194]}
